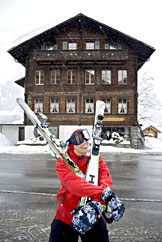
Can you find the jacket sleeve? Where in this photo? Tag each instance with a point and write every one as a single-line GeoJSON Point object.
{"type": "Point", "coordinates": [104, 178]}
{"type": "Point", "coordinates": [76, 185]}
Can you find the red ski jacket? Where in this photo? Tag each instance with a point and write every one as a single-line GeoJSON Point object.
{"type": "Point", "coordinates": [74, 187]}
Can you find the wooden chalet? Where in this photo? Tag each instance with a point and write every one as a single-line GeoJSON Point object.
{"type": "Point", "coordinates": [151, 131]}
{"type": "Point", "coordinates": [77, 62]}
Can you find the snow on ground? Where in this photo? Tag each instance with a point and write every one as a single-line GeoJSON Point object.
{"type": "Point", "coordinates": [32, 146]}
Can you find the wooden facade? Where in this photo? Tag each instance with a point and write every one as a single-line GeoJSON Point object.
{"type": "Point", "coordinates": [77, 62]}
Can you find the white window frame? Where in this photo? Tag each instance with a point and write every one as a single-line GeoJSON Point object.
{"type": "Point", "coordinates": [38, 105]}
{"type": "Point", "coordinates": [122, 77]}
{"type": "Point", "coordinates": [39, 77]}
{"type": "Point", "coordinates": [89, 105]}
{"type": "Point", "coordinates": [70, 105]}
{"type": "Point", "coordinates": [90, 45]}
{"type": "Point", "coordinates": [72, 46]}
{"type": "Point", "coordinates": [106, 77]}
{"type": "Point", "coordinates": [54, 105]}
{"type": "Point", "coordinates": [89, 77]}
{"type": "Point", "coordinates": [122, 106]}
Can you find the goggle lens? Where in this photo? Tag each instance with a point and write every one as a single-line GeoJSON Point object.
{"type": "Point", "coordinates": [77, 138]}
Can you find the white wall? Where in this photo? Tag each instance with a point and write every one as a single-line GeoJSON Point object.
{"type": "Point", "coordinates": [29, 131]}
{"type": "Point", "coordinates": [11, 132]}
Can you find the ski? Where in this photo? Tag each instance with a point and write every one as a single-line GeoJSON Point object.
{"type": "Point", "coordinates": [41, 130]}
{"type": "Point", "coordinates": [58, 147]}
{"type": "Point", "coordinates": [93, 166]}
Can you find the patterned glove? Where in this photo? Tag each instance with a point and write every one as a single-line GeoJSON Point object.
{"type": "Point", "coordinates": [106, 195]}
{"type": "Point", "coordinates": [116, 206]}
{"type": "Point", "coordinates": [86, 216]}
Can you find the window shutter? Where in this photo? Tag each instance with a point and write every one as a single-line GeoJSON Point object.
{"type": "Point", "coordinates": [43, 47]}
{"type": "Point", "coordinates": [64, 45]}
{"type": "Point", "coordinates": [119, 46]}
{"type": "Point", "coordinates": [55, 47]}
{"type": "Point", "coordinates": [97, 45]}
{"type": "Point", "coordinates": [107, 47]}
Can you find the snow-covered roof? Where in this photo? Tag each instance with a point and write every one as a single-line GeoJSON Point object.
{"type": "Point", "coordinates": [11, 117]}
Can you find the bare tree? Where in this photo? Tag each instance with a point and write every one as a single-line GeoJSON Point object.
{"type": "Point", "coordinates": [147, 100]}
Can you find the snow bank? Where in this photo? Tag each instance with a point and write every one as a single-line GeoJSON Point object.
{"type": "Point", "coordinates": [6, 146]}
{"type": "Point", "coordinates": [111, 141]}
{"type": "Point", "coordinates": [25, 149]}
{"type": "Point", "coordinates": [32, 141]}
{"type": "Point", "coordinates": [153, 143]}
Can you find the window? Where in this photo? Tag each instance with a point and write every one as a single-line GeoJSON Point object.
{"type": "Point", "coordinates": [55, 77]}
{"type": "Point", "coordinates": [39, 77]}
{"type": "Point", "coordinates": [113, 47]}
{"type": "Point", "coordinates": [89, 77]}
{"type": "Point", "coordinates": [90, 46]}
{"type": "Point", "coordinates": [72, 46]}
{"type": "Point", "coordinates": [122, 106]}
{"type": "Point", "coordinates": [89, 105]}
{"type": "Point", "coordinates": [107, 105]}
{"type": "Point", "coordinates": [71, 77]}
{"type": "Point", "coordinates": [106, 77]}
{"type": "Point", "coordinates": [70, 105]}
{"type": "Point", "coordinates": [49, 47]}
{"type": "Point", "coordinates": [122, 77]}
{"type": "Point", "coordinates": [38, 105]}
{"type": "Point", "coordinates": [54, 105]}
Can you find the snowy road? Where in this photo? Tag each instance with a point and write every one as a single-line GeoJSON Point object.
{"type": "Point", "coordinates": [28, 188]}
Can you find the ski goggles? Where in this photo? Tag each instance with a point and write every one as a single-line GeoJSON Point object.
{"type": "Point", "coordinates": [78, 137]}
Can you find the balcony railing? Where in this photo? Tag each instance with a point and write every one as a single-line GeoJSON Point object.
{"type": "Point", "coordinates": [85, 55]}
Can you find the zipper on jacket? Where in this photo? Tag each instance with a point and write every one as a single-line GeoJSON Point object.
{"type": "Point", "coordinates": [62, 199]}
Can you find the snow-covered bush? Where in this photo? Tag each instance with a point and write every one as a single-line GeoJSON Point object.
{"type": "Point", "coordinates": [117, 138]}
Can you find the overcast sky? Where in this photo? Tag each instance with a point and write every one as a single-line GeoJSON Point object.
{"type": "Point", "coordinates": [140, 19]}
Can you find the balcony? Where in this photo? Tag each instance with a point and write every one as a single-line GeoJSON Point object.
{"type": "Point", "coordinates": [85, 55]}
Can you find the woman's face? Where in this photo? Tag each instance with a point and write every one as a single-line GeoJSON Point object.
{"type": "Point", "coordinates": [81, 149]}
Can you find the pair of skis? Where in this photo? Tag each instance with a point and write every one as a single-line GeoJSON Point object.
{"type": "Point", "coordinates": [59, 148]}
{"type": "Point", "coordinates": [93, 166]}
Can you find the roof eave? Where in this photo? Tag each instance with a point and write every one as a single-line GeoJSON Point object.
{"type": "Point", "coordinates": [134, 43]}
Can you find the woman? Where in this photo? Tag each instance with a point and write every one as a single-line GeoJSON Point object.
{"type": "Point", "coordinates": [74, 187]}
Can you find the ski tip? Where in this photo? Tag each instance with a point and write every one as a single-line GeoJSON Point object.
{"type": "Point", "coordinates": [100, 102]}
{"type": "Point", "coordinates": [18, 99]}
